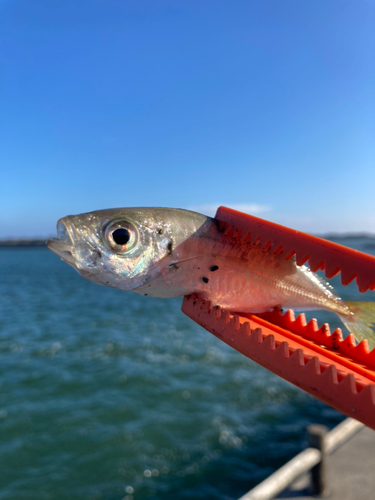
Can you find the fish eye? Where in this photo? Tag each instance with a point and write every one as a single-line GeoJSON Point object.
{"type": "Point", "coordinates": [120, 236]}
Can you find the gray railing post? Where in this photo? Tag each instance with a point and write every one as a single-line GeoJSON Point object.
{"type": "Point", "coordinates": [316, 437]}
{"type": "Point", "coordinates": [307, 460]}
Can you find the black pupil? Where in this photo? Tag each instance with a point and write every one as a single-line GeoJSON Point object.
{"type": "Point", "coordinates": [121, 236]}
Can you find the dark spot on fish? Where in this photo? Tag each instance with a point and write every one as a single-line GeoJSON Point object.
{"type": "Point", "coordinates": [198, 267]}
{"type": "Point", "coordinates": [169, 247]}
{"type": "Point", "coordinates": [204, 279]}
{"type": "Point", "coordinates": [214, 268]}
{"type": "Point", "coordinates": [145, 294]}
{"type": "Point", "coordinates": [160, 231]}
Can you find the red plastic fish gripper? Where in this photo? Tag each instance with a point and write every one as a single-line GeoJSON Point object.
{"type": "Point", "coordinates": [324, 364]}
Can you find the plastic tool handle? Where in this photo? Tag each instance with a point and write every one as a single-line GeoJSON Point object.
{"type": "Point", "coordinates": [333, 369]}
{"type": "Point", "coordinates": [320, 254]}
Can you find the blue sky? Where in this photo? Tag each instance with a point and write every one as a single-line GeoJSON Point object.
{"type": "Point", "coordinates": [263, 105]}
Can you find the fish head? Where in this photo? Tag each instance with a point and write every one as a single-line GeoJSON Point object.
{"type": "Point", "coordinates": [123, 248]}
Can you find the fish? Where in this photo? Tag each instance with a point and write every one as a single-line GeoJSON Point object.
{"type": "Point", "coordinates": [171, 252]}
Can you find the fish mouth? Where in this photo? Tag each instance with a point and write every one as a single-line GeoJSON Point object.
{"type": "Point", "coordinates": [63, 246]}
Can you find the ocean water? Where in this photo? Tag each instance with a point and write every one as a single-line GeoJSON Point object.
{"type": "Point", "coordinates": [107, 395]}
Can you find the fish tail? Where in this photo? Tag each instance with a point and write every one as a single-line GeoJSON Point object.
{"type": "Point", "coordinates": [361, 323]}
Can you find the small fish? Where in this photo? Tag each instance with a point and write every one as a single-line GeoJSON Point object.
{"type": "Point", "coordinates": [164, 252]}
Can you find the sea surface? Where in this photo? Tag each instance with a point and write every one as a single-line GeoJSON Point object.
{"type": "Point", "coordinates": [107, 395]}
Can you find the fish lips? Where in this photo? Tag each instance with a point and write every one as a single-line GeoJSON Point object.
{"type": "Point", "coordinates": [63, 245]}
{"type": "Point", "coordinates": [62, 249]}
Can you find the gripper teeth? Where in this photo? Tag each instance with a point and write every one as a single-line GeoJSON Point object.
{"type": "Point", "coordinates": [313, 366]}
{"type": "Point", "coordinates": [225, 317]}
{"type": "Point", "coordinates": [236, 323]}
{"type": "Point", "coordinates": [246, 239]}
{"type": "Point", "coordinates": [367, 396]}
{"type": "Point", "coordinates": [267, 245]}
{"type": "Point", "coordinates": [325, 330]}
{"type": "Point", "coordinates": [362, 347]}
{"type": "Point", "coordinates": [316, 266]}
{"type": "Point", "coordinates": [282, 350]}
{"type": "Point", "coordinates": [300, 321]}
{"type": "Point", "coordinates": [371, 358]}
{"type": "Point", "coordinates": [245, 329]}
{"type": "Point", "coordinates": [321, 335]}
{"type": "Point", "coordinates": [297, 358]}
{"type": "Point", "coordinates": [269, 343]}
{"type": "Point", "coordinates": [321, 254]}
{"type": "Point", "coordinates": [348, 384]}
{"type": "Point", "coordinates": [350, 340]}
{"type": "Point", "coordinates": [347, 277]}
{"type": "Point", "coordinates": [289, 315]}
{"type": "Point", "coordinates": [288, 254]}
{"type": "Point", "coordinates": [329, 374]}
{"type": "Point", "coordinates": [217, 312]}
{"type": "Point", "coordinates": [256, 336]}
{"type": "Point", "coordinates": [302, 259]}
{"type": "Point", "coordinates": [330, 271]}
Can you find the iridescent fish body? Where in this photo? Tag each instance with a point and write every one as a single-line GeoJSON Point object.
{"type": "Point", "coordinates": [164, 252]}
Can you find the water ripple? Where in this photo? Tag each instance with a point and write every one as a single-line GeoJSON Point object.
{"type": "Point", "coordinates": [109, 395]}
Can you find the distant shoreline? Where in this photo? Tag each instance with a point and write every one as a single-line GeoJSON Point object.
{"type": "Point", "coordinates": [41, 242]}
{"type": "Point", "coordinates": [25, 243]}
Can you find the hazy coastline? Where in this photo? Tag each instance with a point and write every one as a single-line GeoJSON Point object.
{"type": "Point", "coordinates": [23, 242]}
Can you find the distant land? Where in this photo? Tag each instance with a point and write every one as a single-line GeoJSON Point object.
{"type": "Point", "coordinates": [41, 242]}
{"type": "Point", "coordinates": [334, 236]}
{"type": "Point", "coordinates": [23, 242]}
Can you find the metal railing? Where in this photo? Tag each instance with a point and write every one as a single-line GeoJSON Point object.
{"type": "Point", "coordinates": [321, 444]}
